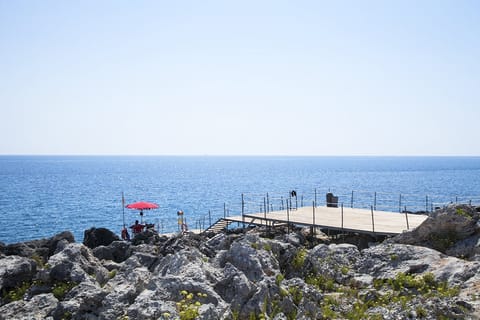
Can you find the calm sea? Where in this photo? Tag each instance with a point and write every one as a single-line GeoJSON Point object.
{"type": "Point", "coordinates": [43, 195]}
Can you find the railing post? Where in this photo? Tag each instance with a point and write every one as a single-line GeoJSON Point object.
{"type": "Point", "coordinates": [373, 221]}
{"type": "Point", "coordinates": [283, 207]}
{"type": "Point", "coordinates": [313, 217]}
{"type": "Point", "coordinates": [375, 200]}
{"type": "Point", "coordinates": [400, 203]}
{"type": "Point", "coordinates": [288, 220]}
{"type": "Point", "coordinates": [342, 218]}
{"type": "Point", "coordinates": [243, 212]}
{"type": "Point", "coordinates": [268, 203]}
{"type": "Point", "coordinates": [243, 205]}
{"type": "Point", "coordinates": [265, 210]}
{"type": "Point", "coordinates": [406, 218]}
{"type": "Point", "coordinates": [315, 203]}
{"type": "Point", "coordinates": [351, 200]}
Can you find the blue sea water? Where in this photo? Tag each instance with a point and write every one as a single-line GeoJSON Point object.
{"type": "Point", "coordinates": [43, 195]}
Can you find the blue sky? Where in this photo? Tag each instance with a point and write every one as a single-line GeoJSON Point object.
{"type": "Point", "coordinates": [240, 78]}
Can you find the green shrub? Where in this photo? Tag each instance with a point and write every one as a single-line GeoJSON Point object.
{"type": "Point", "coordinates": [17, 293]}
{"type": "Point", "coordinates": [322, 282]}
{"type": "Point", "coordinates": [60, 289]}
{"type": "Point", "coordinates": [296, 294]}
{"type": "Point", "coordinates": [299, 259]}
{"type": "Point", "coordinates": [463, 213]}
{"type": "Point", "coordinates": [112, 274]}
{"type": "Point", "coordinates": [443, 241]}
{"type": "Point", "coordinates": [279, 278]}
{"type": "Point", "coordinates": [38, 260]}
{"type": "Point", "coordinates": [421, 312]}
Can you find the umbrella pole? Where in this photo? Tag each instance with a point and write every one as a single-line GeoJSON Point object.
{"type": "Point", "coordinates": [123, 209]}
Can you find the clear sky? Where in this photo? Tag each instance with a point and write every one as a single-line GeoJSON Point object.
{"type": "Point", "coordinates": [240, 77]}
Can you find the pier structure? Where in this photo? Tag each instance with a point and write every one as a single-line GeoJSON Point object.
{"type": "Point", "coordinates": [361, 212]}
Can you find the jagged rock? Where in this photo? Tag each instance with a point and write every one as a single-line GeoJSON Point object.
{"type": "Point", "coordinates": [466, 248]}
{"type": "Point", "coordinates": [149, 236]}
{"type": "Point", "coordinates": [42, 248]}
{"type": "Point", "coordinates": [147, 306]}
{"type": "Point", "coordinates": [333, 261]}
{"type": "Point", "coordinates": [296, 239]}
{"type": "Point", "coordinates": [122, 290]}
{"type": "Point", "coordinates": [169, 288]}
{"type": "Point", "coordinates": [76, 263]}
{"type": "Point", "coordinates": [15, 270]}
{"type": "Point", "coordinates": [240, 274]}
{"type": "Point", "coordinates": [234, 287]}
{"type": "Point", "coordinates": [387, 260]}
{"type": "Point", "coordinates": [117, 251]}
{"type": "Point", "coordinates": [111, 265]}
{"type": "Point", "coordinates": [81, 302]}
{"type": "Point", "coordinates": [95, 237]}
{"type": "Point", "coordinates": [38, 308]}
{"type": "Point", "coordinates": [443, 229]}
{"type": "Point", "coordinates": [218, 242]}
{"type": "Point", "coordinates": [247, 256]}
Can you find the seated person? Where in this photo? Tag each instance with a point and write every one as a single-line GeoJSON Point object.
{"type": "Point", "coordinates": [125, 235]}
{"type": "Point", "coordinates": [137, 227]}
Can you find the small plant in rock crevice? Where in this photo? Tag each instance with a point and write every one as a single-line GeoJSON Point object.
{"type": "Point", "coordinates": [299, 259]}
{"type": "Point", "coordinates": [60, 289]}
{"type": "Point", "coordinates": [189, 305]}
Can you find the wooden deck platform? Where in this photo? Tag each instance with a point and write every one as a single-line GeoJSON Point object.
{"type": "Point", "coordinates": [354, 220]}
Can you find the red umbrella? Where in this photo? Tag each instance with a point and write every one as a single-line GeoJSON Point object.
{"type": "Point", "coordinates": [142, 205]}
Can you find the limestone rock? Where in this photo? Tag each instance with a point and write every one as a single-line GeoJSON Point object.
{"type": "Point", "coordinates": [42, 248]}
{"type": "Point", "coordinates": [38, 308]}
{"type": "Point", "coordinates": [15, 270]}
{"type": "Point", "coordinates": [248, 256]}
{"type": "Point", "coordinates": [117, 251]}
{"type": "Point", "coordinates": [334, 261]}
{"type": "Point", "coordinates": [234, 287]}
{"type": "Point", "coordinates": [240, 274]}
{"type": "Point", "coordinates": [76, 263]}
{"type": "Point", "coordinates": [386, 260]}
{"type": "Point", "coordinates": [95, 237]}
{"type": "Point", "coordinates": [444, 228]}
{"type": "Point", "coordinates": [82, 302]}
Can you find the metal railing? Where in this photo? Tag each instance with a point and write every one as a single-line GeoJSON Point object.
{"type": "Point", "coordinates": [375, 201]}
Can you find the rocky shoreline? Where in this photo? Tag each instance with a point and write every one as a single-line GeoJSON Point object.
{"type": "Point", "coordinates": [431, 272]}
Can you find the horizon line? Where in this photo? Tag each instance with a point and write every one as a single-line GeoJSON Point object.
{"type": "Point", "coordinates": [230, 155]}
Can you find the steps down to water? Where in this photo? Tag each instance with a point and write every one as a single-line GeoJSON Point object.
{"type": "Point", "coordinates": [218, 226]}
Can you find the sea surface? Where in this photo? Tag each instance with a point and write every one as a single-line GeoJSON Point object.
{"type": "Point", "coordinates": [44, 195]}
